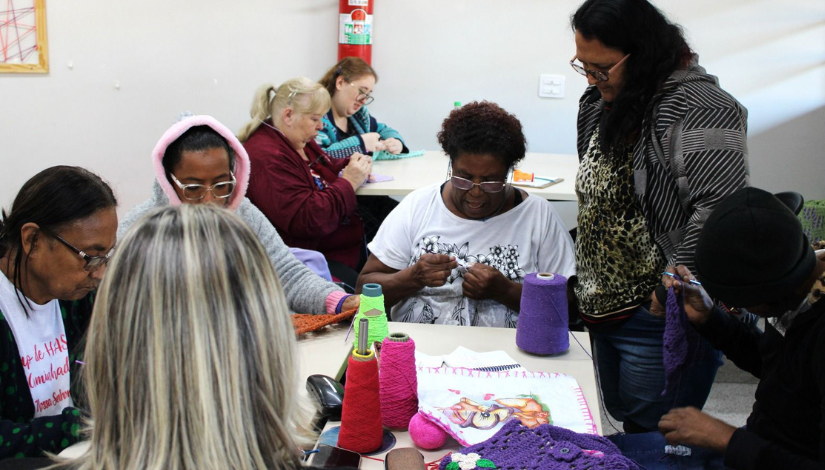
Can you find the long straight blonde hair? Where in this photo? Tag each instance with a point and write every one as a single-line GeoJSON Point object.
{"type": "Point", "coordinates": [301, 94]}
{"type": "Point", "coordinates": [190, 359]}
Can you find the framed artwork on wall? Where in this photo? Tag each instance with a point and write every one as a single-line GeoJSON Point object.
{"type": "Point", "coordinates": [23, 44]}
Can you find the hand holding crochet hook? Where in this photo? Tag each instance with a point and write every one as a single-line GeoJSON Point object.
{"type": "Point", "coordinates": [698, 304]}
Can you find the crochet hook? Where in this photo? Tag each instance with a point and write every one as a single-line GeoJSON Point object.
{"type": "Point", "coordinates": [676, 276]}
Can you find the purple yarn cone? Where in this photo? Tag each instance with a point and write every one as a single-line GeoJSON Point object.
{"type": "Point", "coordinates": [542, 322]}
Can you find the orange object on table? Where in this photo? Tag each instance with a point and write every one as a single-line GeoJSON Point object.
{"type": "Point", "coordinates": [304, 323]}
{"type": "Point", "coordinates": [519, 175]}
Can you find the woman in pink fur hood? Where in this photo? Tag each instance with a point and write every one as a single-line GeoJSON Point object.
{"type": "Point", "coordinates": [199, 160]}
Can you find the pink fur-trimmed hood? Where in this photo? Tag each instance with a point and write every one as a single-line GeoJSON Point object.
{"type": "Point", "coordinates": [241, 169]}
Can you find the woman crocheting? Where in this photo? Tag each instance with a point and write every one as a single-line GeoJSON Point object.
{"type": "Point", "coordinates": [54, 245]}
{"type": "Point", "coordinates": [309, 197]}
{"type": "Point", "coordinates": [457, 253]}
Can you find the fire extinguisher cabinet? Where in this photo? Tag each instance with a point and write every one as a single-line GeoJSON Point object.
{"type": "Point", "coordinates": [355, 29]}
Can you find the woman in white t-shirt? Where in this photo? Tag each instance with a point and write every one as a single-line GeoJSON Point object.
{"type": "Point", "coordinates": [457, 253]}
{"type": "Point", "coordinates": [54, 245]}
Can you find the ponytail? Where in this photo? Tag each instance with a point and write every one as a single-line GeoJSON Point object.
{"type": "Point", "coordinates": [260, 111]}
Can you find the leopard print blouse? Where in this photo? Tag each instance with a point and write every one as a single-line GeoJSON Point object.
{"type": "Point", "coordinates": [617, 261]}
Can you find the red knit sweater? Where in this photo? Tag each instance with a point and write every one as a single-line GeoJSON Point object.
{"type": "Point", "coordinates": [306, 216]}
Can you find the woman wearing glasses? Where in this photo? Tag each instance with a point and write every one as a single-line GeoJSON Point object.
{"type": "Point", "coordinates": [660, 144]}
{"type": "Point", "coordinates": [309, 197]}
{"type": "Point", "coordinates": [348, 126]}
{"type": "Point", "coordinates": [198, 160]}
{"type": "Point", "coordinates": [457, 253]}
{"type": "Point", "coordinates": [54, 245]}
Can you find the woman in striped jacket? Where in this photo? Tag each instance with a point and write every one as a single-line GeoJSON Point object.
{"type": "Point", "coordinates": [660, 144]}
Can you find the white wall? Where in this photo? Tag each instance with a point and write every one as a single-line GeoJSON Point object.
{"type": "Point", "coordinates": [208, 56]}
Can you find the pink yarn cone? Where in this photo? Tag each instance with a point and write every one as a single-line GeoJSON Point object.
{"type": "Point", "coordinates": [398, 382]}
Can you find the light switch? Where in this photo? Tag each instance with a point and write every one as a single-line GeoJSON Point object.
{"type": "Point", "coordinates": [551, 86]}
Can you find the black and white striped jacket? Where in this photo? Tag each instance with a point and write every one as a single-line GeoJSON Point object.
{"type": "Point", "coordinates": [691, 154]}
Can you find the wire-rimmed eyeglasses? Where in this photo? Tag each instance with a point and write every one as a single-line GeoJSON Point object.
{"type": "Point", "coordinates": [93, 263]}
{"type": "Point", "coordinates": [363, 95]}
{"type": "Point", "coordinates": [195, 192]}
{"type": "Point", "coordinates": [597, 74]}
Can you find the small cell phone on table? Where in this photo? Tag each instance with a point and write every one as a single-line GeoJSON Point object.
{"type": "Point", "coordinates": [331, 457]}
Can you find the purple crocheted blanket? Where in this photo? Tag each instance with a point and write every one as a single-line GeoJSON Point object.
{"type": "Point", "coordinates": [517, 447]}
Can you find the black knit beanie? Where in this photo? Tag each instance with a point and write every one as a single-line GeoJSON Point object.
{"type": "Point", "coordinates": [752, 250]}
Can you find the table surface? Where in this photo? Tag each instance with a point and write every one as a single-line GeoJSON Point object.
{"type": "Point", "coordinates": [325, 352]}
{"type": "Point", "coordinates": [431, 168]}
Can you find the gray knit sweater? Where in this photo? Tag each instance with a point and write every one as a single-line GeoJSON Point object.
{"type": "Point", "coordinates": [306, 292]}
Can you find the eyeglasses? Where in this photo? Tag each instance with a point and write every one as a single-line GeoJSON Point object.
{"type": "Point", "coordinates": [195, 192]}
{"type": "Point", "coordinates": [93, 263]}
{"type": "Point", "coordinates": [597, 74]}
{"type": "Point", "coordinates": [362, 94]}
{"type": "Point", "coordinates": [486, 186]}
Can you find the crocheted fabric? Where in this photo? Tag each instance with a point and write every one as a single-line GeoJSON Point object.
{"type": "Point", "coordinates": [384, 155]}
{"type": "Point", "coordinates": [812, 217]}
{"type": "Point", "coordinates": [304, 323]}
{"type": "Point", "coordinates": [680, 341]}
{"type": "Point", "coordinates": [517, 447]}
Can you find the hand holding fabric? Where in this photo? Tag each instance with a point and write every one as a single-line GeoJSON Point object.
{"type": "Point", "coordinates": [393, 146]}
{"type": "Point", "coordinates": [689, 426]}
{"type": "Point", "coordinates": [698, 304]}
{"type": "Point", "coordinates": [357, 170]}
{"type": "Point", "coordinates": [432, 269]}
{"type": "Point", "coordinates": [483, 282]}
{"type": "Point", "coordinates": [351, 302]}
{"type": "Point", "coordinates": [372, 141]}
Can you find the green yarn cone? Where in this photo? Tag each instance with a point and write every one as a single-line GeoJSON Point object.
{"type": "Point", "coordinates": [372, 308]}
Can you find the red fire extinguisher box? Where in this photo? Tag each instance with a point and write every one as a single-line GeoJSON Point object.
{"type": "Point", "coordinates": [355, 29]}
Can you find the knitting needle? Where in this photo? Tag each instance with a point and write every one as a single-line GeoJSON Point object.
{"type": "Point", "coordinates": [676, 276]}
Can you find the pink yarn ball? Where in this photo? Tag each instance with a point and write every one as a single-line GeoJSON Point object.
{"type": "Point", "coordinates": [425, 434]}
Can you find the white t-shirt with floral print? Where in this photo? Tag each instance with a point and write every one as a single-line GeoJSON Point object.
{"type": "Point", "coordinates": [528, 238]}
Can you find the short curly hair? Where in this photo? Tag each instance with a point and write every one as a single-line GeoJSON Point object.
{"type": "Point", "coordinates": [483, 128]}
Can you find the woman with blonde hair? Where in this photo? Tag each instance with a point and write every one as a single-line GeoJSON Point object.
{"type": "Point", "coordinates": [295, 184]}
{"type": "Point", "coordinates": [190, 362]}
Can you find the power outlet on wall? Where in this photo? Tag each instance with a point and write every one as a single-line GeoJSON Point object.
{"type": "Point", "coordinates": [551, 86]}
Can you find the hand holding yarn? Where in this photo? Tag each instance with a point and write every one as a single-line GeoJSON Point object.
{"type": "Point", "coordinates": [351, 302]}
{"type": "Point", "coordinates": [698, 304]}
{"type": "Point", "coordinates": [372, 141]}
{"type": "Point", "coordinates": [483, 282]}
{"type": "Point", "coordinates": [393, 146]}
{"type": "Point", "coordinates": [432, 270]}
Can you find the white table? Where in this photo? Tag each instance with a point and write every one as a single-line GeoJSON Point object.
{"type": "Point", "coordinates": [326, 353]}
{"type": "Point", "coordinates": [431, 168]}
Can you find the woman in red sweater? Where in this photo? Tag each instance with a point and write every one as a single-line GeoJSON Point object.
{"type": "Point", "coordinates": [307, 196]}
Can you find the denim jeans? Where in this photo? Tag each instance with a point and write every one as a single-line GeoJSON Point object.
{"type": "Point", "coordinates": [632, 374]}
{"type": "Point", "coordinates": [648, 451]}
